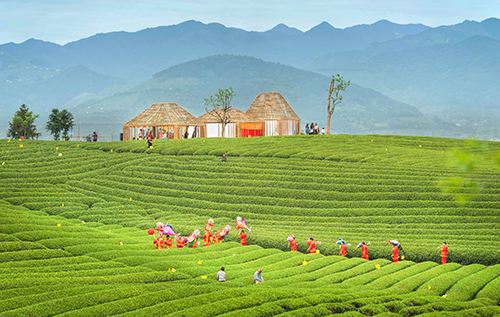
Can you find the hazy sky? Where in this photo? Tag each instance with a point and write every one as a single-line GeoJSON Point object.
{"type": "Point", "coordinates": [63, 21]}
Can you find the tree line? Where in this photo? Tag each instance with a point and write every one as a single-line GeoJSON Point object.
{"type": "Point", "coordinates": [23, 124]}
{"type": "Point", "coordinates": [60, 122]}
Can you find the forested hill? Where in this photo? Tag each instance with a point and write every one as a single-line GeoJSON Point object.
{"type": "Point", "coordinates": [362, 111]}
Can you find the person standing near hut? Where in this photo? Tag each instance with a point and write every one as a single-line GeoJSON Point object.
{"type": "Point", "coordinates": [307, 129]}
{"type": "Point", "coordinates": [444, 252]}
{"type": "Point", "coordinates": [150, 142]}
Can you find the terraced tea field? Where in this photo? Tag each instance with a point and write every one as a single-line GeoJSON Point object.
{"type": "Point", "coordinates": [74, 216]}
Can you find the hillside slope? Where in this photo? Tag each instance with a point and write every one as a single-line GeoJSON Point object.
{"type": "Point", "coordinates": [135, 56]}
{"type": "Point", "coordinates": [446, 72]}
{"type": "Point", "coordinates": [74, 219]}
{"type": "Point", "coordinates": [362, 111]}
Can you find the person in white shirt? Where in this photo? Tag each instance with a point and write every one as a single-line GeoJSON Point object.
{"type": "Point", "coordinates": [221, 275]}
{"type": "Point", "coordinates": [257, 277]}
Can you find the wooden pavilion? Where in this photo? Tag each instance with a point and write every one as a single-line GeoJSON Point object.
{"type": "Point", "coordinates": [276, 114]}
{"type": "Point", "coordinates": [240, 125]}
{"type": "Point", "coordinates": [164, 120]}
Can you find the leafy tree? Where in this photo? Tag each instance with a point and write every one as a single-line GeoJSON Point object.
{"type": "Point", "coordinates": [59, 122]}
{"type": "Point", "coordinates": [335, 90]}
{"type": "Point", "coordinates": [23, 124]}
{"type": "Point", "coordinates": [220, 105]}
{"type": "Point", "coordinates": [67, 121]}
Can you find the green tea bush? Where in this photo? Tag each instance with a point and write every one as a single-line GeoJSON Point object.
{"type": "Point", "coordinates": [31, 255]}
{"type": "Point", "coordinates": [468, 287]}
{"type": "Point", "coordinates": [18, 246]}
{"type": "Point", "coordinates": [442, 283]}
{"type": "Point", "coordinates": [491, 290]}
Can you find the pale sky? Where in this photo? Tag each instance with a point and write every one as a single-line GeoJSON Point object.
{"type": "Point", "coordinates": [63, 21]}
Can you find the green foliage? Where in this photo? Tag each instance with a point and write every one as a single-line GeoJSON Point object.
{"type": "Point", "coordinates": [335, 90]}
{"type": "Point", "coordinates": [82, 248]}
{"type": "Point", "coordinates": [60, 122]}
{"type": "Point", "coordinates": [219, 106]}
{"type": "Point", "coordinates": [23, 124]}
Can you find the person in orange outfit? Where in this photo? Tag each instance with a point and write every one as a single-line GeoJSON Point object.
{"type": "Point", "coordinates": [444, 252]}
{"type": "Point", "coordinates": [343, 249]}
{"type": "Point", "coordinates": [312, 245]}
{"type": "Point", "coordinates": [207, 238]}
{"type": "Point", "coordinates": [180, 242]}
{"type": "Point", "coordinates": [293, 244]}
{"type": "Point", "coordinates": [159, 243]}
{"type": "Point", "coordinates": [395, 254]}
{"type": "Point", "coordinates": [243, 236]}
{"type": "Point", "coordinates": [168, 242]}
{"type": "Point", "coordinates": [364, 251]}
{"type": "Point", "coordinates": [215, 237]}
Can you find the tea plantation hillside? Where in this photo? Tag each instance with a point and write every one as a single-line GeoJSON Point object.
{"type": "Point", "coordinates": [74, 217]}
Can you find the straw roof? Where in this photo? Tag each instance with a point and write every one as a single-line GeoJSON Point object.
{"type": "Point", "coordinates": [235, 115]}
{"type": "Point", "coordinates": [271, 106]}
{"type": "Point", "coordinates": [163, 114]}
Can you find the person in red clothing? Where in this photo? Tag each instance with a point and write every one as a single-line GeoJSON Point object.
{"type": "Point", "coordinates": [159, 243]}
{"type": "Point", "coordinates": [180, 242]}
{"type": "Point", "coordinates": [243, 236]}
{"type": "Point", "coordinates": [312, 245]}
{"type": "Point", "coordinates": [343, 249]}
{"type": "Point", "coordinates": [444, 252]}
{"type": "Point", "coordinates": [168, 242]}
{"type": "Point", "coordinates": [207, 238]}
{"type": "Point", "coordinates": [192, 240]}
{"type": "Point", "coordinates": [293, 244]}
{"type": "Point", "coordinates": [215, 237]}
{"type": "Point", "coordinates": [364, 251]}
{"type": "Point", "coordinates": [395, 254]}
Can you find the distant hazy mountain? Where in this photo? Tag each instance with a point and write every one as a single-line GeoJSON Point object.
{"type": "Point", "coordinates": [363, 110]}
{"type": "Point", "coordinates": [438, 79]}
{"type": "Point", "coordinates": [449, 72]}
{"type": "Point", "coordinates": [57, 88]}
{"type": "Point", "coordinates": [138, 55]}
{"type": "Point", "coordinates": [441, 35]}
{"type": "Point", "coordinates": [44, 87]}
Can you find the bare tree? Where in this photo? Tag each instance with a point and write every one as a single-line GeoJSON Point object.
{"type": "Point", "coordinates": [220, 105]}
{"type": "Point", "coordinates": [333, 101]}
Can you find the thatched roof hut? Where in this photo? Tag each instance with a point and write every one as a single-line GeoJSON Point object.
{"type": "Point", "coordinates": [161, 118]}
{"type": "Point", "coordinates": [240, 124]}
{"type": "Point", "coordinates": [277, 115]}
